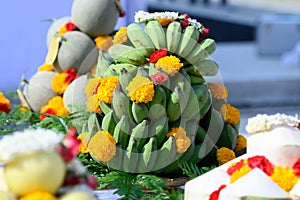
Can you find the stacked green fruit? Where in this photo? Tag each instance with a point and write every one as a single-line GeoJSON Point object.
{"type": "Point", "coordinates": [182, 100]}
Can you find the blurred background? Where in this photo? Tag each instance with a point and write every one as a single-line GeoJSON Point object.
{"type": "Point", "coordinates": [258, 48]}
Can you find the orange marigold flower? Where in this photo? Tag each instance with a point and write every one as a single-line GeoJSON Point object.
{"type": "Point", "coordinates": [103, 146]}
{"type": "Point", "coordinates": [55, 104]}
{"type": "Point", "coordinates": [83, 144]}
{"type": "Point", "coordinates": [224, 155]}
{"type": "Point", "coordinates": [231, 114]}
{"type": "Point", "coordinates": [92, 86]}
{"type": "Point", "coordinates": [61, 81]}
{"type": "Point", "coordinates": [169, 64]}
{"type": "Point", "coordinates": [38, 196]}
{"type": "Point", "coordinates": [218, 91]}
{"type": "Point", "coordinates": [5, 104]}
{"type": "Point", "coordinates": [182, 141]}
{"type": "Point", "coordinates": [106, 87]}
{"type": "Point", "coordinates": [239, 173]}
{"type": "Point", "coordinates": [241, 143]}
{"type": "Point", "coordinates": [165, 21]}
{"type": "Point", "coordinates": [46, 67]}
{"type": "Point", "coordinates": [284, 177]}
{"type": "Point", "coordinates": [120, 36]}
{"type": "Point", "coordinates": [93, 104]}
{"type": "Point", "coordinates": [103, 42]}
{"type": "Point", "coordinates": [140, 89]}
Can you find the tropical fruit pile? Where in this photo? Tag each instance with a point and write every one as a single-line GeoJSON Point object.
{"type": "Point", "coordinates": [151, 106]}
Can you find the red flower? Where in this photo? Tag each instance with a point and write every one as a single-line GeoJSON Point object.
{"type": "Point", "coordinates": [72, 75]}
{"type": "Point", "coordinates": [70, 26]}
{"type": "Point", "coordinates": [184, 23]}
{"type": "Point", "coordinates": [49, 111]}
{"type": "Point", "coordinates": [156, 55]}
{"type": "Point", "coordinates": [186, 16]}
{"type": "Point", "coordinates": [159, 78]}
{"type": "Point", "coordinates": [70, 146]}
{"type": "Point", "coordinates": [92, 181]}
{"type": "Point", "coordinates": [215, 194]}
{"type": "Point", "coordinates": [71, 179]}
{"type": "Point", "coordinates": [122, 14]}
{"type": "Point", "coordinates": [235, 167]}
{"type": "Point", "coordinates": [262, 163]}
{"type": "Point", "coordinates": [296, 167]}
{"type": "Point", "coordinates": [4, 107]}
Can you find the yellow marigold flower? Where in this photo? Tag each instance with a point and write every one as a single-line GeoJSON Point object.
{"type": "Point", "coordinates": [224, 155]}
{"type": "Point", "coordinates": [93, 104]}
{"type": "Point", "coordinates": [239, 173]}
{"type": "Point", "coordinates": [182, 141]}
{"type": "Point", "coordinates": [140, 89]}
{"type": "Point", "coordinates": [5, 104]}
{"type": "Point", "coordinates": [103, 146]}
{"type": "Point", "coordinates": [284, 177]}
{"type": "Point", "coordinates": [46, 67]}
{"type": "Point", "coordinates": [103, 42]}
{"type": "Point", "coordinates": [231, 114]}
{"type": "Point", "coordinates": [120, 36]}
{"type": "Point", "coordinates": [169, 64]}
{"type": "Point", "coordinates": [62, 30]}
{"type": "Point", "coordinates": [38, 196]}
{"type": "Point", "coordinates": [59, 85]}
{"type": "Point", "coordinates": [91, 86]}
{"type": "Point", "coordinates": [106, 88]}
{"type": "Point", "coordinates": [57, 104]}
{"type": "Point", "coordinates": [164, 21]}
{"type": "Point", "coordinates": [82, 147]}
{"type": "Point", "coordinates": [241, 143]}
{"type": "Point", "coordinates": [218, 91]}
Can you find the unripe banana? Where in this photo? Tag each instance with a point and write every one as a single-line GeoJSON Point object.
{"type": "Point", "coordinates": [108, 122]}
{"type": "Point", "coordinates": [104, 61]}
{"type": "Point", "coordinates": [115, 69]}
{"type": "Point", "coordinates": [156, 33]}
{"type": "Point", "coordinates": [125, 77]}
{"type": "Point", "coordinates": [209, 45]}
{"type": "Point", "coordinates": [157, 107]}
{"type": "Point", "coordinates": [140, 112]}
{"type": "Point", "coordinates": [167, 154]}
{"type": "Point", "coordinates": [192, 110]}
{"type": "Point", "coordinates": [126, 54]}
{"type": "Point", "coordinates": [173, 107]}
{"type": "Point", "coordinates": [122, 131]}
{"type": "Point", "coordinates": [228, 137]}
{"type": "Point", "coordinates": [192, 71]}
{"type": "Point", "coordinates": [140, 39]}
{"type": "Point", "coordinates": [141, 71]}
{"type": "Point", "coordinates": [131, 157]}
{"type": "Point", "coordinates": [159, 129]}
{"type": "Point", "coordinates": [188, 41]}
{"type": "Point", "coordinates": [207, 67]}
{"type": "Point", "coordinates": [173, 35]}
{"type": "Point", "coordinates": [105, 107]}
{"type": "Point", "coordinates": [116, 162]}
{"type": "Point", "coordinates": [197, 80]}
{"type": "Point", "coordinates": [148, 159]}
{"type": "Point", "coordinates": [121, 104]}
{"type": "Point", "coordinates": [139, 134]}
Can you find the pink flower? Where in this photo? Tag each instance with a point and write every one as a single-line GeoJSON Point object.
{"type": "Point", "coordinates": [159, 78]}
{"type": "Point", "coordinates": [156, 55]}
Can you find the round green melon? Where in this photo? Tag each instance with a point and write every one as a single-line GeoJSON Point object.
{"type": "Point", "coordinates": [74, 93]}
{"type": "Point", "coordinates": [95, 17]}
{"type": "Point", "coordinates": [39, 90]}
{"type": "Point", "coordinates": [78, 51]}
{"type": "Point", "coordinates": [55, 26]}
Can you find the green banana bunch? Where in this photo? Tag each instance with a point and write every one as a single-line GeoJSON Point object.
{"type": "Point", "coordinates": [156, 33]}
{"type": "Point", "coordinates": [121, 105]}
{"type": "Point", "coordinates": [104, 60]}
{"type": "Point", "coordinates": [126, 54]}
{"type": "Point", "coordinates": [105, 107]}
{"type": "Point", "coordinates": [173, 36]}
{"type": "Point", "coordinates": [131, 157]}
{"type": "Point", "coordinates": [115, 69]}
{"type": "Point", "coordinates": [140, 39]}
{"type": "Point", "coordinates": [125, 77]}
{"type": "Point", "coordinates": [122, 131]}
{"type": "Point", "coordinates": [173, 106]}
{"type": "Point", "coordinates": [108, 122]}
{"type": "Point", "coordinates": [140, 112]}
{"type": "Point", "coordinates": [148, 157]}
{"type": "Point", "coordinates": [139, 134]}
{"type": "Point", "coordinates": [207, 67]}
{"type": "Point", "coordinates": [157, 107]}
{"type": "Point", "coordinates": [159, 129]}
{"type": "Point", "coordinates": [188, 41]}
{"type": "Point", "coordinates": [166, 155]}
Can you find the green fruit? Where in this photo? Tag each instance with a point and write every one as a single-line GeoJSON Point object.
{"type": "Point", "coordinates": [95, 17]}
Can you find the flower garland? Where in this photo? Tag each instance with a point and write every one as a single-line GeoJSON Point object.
{"type": "Point", "coordinates": [55, 106]}
{"type": "Point", "coordinates": [61, 81]}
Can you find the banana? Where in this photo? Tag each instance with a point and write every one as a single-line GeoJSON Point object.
{"type": "Point", "coordinates": [191, 70]}
{"type": "Point", "coordinates": [204, 98]}
{"type": "Point", "coordinates": [196, 80]}
{"type": "Point", "coordinates": [126, 54]}
{"type": "Point", "coordinates": [200, 134]}
{"type": "Point", "coordinates": [207, 67]}
{"type": "Point", "coordinates": [166, 155]}
{"type": "Point", "coordinates": [139, 134]}
{"type": "Point", "coordinates": [141, 71]}
{"type": "Point", "coordinates": [125, 77]}
{"type": "Point", "coordinates": [105, 107]}
{"type": "Point", "coordinates": [192, 110]}
{"type": "Point", "coordinates": [190, 126]}
{"type": "Point", "coordinates": [209, 45]}
{"type": "Point", "coordinates": [122, 131]}
{"type": "Point", "coordinates": [157, 107]}
{"type": "Point", "coordinates": [156, 33]}
{"type": "Point", "coordinates": [140, 39]}
{"type": "Point", "coordinates": [116, 162]}
{"type": "Point", "coordinates": [131, 157]}
{"type": "Point", "coordinates": [159, 129]}
{"type": "Point", "coordinates": [173, 35]}
{"type": "Point", "coordinates": [228, 137]}
{"type": "Point", "coordinates": [173, 107]}
{"type": "Point", "coordinates": [188, 41]}
{"type": "Point", "coordinates": [148, 158]}
{"type": "Point", "coordinates": [140, 112]}
{"type": "Point", "coordinates": [121, 105]}
{"type": "Point", "coordinates": [104, 60]}
{"type": "Point", "coordinates": [108, 122]}
{"type": "Point", "coordinates": [115, 69]}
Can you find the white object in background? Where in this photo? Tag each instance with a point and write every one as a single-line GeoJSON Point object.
{"type": "Point", "coordinates": [277, 33]}
{"type": "Point", "coordinates": [292, 58]}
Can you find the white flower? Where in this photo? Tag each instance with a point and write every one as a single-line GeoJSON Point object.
{"type": "Point", "coordinates": [263, 122]}
{"type": "Point", "coordinates": [20, 143]}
